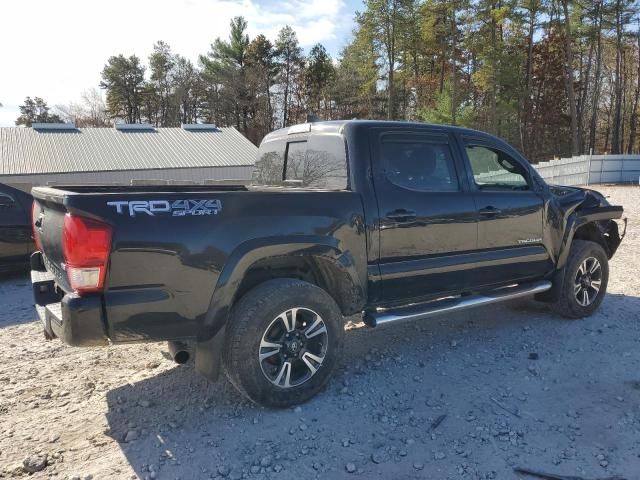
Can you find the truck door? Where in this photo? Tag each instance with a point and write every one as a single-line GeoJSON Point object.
{"type": "Point", "coordinates": [427, 216]}
{"type": "Point", "coordinates": [510, 215]}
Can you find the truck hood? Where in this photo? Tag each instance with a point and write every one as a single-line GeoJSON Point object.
{"type": "Point", "coordinates": [574, 197]}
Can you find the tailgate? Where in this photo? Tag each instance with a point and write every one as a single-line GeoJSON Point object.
{"type": "Point", "coordinates": [48, 221]}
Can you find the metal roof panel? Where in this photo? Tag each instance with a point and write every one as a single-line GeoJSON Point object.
{"type": "Point", "coordinates": [25, 151]}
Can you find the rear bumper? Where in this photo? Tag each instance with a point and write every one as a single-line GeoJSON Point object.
{"type": "Point", "coordinates": [77, 321]}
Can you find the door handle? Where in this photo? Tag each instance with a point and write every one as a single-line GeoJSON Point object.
{"type": "Point", "coordinates": [489, 211]}
{"type": "Point", "coordinates": [402, 215]}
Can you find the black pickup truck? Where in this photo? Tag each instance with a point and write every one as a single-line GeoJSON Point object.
{"type": "Point", "coordinates": [392, 221]}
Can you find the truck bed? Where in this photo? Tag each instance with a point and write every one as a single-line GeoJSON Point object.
{"type": "Point", "coordinates": [175, 249]}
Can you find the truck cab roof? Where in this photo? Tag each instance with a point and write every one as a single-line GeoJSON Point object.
{"type": "Point", "coordinates": [342, 126]}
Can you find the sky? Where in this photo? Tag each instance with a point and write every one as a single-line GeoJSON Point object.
{"type": "Point", "coordinates": [57, 49]}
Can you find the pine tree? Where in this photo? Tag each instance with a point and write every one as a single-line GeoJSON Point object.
{"type": "Point", "coordinates": [261, 77]}
{"type": "Point", "coordinates": [123, 79]}
{"type": "Point", "coordinates": [319, 75]}
{"type": "Point", "coordinates": [384, 20]}
{"type": "Point", "coordinates": [161, 64]}
{"type": "Point", "coordinates": [226, 65]}
{"type": "Point", "coordinates": [36, 110]}
{"type": "Point", "coordinates": [290, 61]}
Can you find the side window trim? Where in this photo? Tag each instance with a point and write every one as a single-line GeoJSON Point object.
{"type": "Point", "coordinates": [436, 138]}
{"type": "Point", "coordinates": [476, 142]}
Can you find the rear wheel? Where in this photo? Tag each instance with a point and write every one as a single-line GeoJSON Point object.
{"type": "Point", "coordinates": [284, 340]}
{"type": "Point", "coordinates": [585, 281]}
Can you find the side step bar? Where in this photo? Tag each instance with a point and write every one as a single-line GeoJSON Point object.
{"type": "Point", "coordinates": [446, 305]}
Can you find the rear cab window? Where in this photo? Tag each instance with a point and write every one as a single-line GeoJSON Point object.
{"type": "Point", "coordinates": [311, 161]}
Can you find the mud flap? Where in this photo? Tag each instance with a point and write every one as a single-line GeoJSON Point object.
{"type": "Point", "coordinates": [553, 294]}
{"type": "Point", "coordinates": [208, 356]}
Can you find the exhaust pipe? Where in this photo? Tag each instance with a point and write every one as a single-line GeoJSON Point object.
{"type": "Point", "coordinates": [179, 351]}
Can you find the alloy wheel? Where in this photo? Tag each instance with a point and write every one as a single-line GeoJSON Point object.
{"type": "Point", "coordinates": [293, 347]}
{"type": "Point", "coordinates": [588, 281]}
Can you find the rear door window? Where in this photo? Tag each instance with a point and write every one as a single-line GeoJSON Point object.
{"type": "Point", "coordinates": [417, 162]}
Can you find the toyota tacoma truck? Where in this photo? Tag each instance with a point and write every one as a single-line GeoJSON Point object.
{"type": "Point", "coordinates": [391, 221]}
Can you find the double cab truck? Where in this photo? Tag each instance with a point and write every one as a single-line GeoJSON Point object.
{"type": "Point", "coordinates": [392, 221]}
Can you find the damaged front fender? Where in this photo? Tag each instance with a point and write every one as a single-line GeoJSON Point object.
{"type": "Point", "coordinates": [587, 215]}
{"type": "Point", "coordinates": [575, 213]}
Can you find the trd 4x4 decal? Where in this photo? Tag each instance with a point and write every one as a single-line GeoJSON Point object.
{"type": "Point", "coordinates": [176, 208]}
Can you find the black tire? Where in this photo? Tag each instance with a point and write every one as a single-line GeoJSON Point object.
{"type": "Point", "coordinates": [257, 316]}
{"type": "Point", "coordinates": [568, 304]}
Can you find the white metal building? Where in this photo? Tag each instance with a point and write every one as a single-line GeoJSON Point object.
{"type": "Point", "coordinates": [56, 154]}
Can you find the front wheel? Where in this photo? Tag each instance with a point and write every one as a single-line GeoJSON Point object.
{"type": "Point", "coordinates": [284, 340]}
{"type": "Point", "coordinates": [585, 281]}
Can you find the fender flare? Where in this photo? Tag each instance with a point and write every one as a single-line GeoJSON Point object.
{"type": "Point", "coordinates": [579, 219]}
{"type": "Point", "coordinates": [248, 253]}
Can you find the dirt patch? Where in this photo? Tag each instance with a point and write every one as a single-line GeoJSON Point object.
{"type": "Point", "coordinates": [468, 396]}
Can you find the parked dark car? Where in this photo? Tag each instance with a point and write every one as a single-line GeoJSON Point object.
{"type": "Point", "coordinates": [16, 242]}
{"type": "Point", "coordinates": [392, 221]}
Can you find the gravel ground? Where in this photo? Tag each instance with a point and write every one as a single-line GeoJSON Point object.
{"type": "Point", "coordinates": [468, 396]}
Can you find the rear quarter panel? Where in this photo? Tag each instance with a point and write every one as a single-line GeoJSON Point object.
{"type": "Point", "coordinates": [164, 269]}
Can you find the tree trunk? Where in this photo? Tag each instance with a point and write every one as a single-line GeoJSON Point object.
{"type": "Point", "coordinates": [493, 100]}
{"type": "Point", "coordinates": [617, 115]}
{"type": "Point", "coordinates": [624, 100]}
{"type": "Point", "coordinates": [571, 96]}
{"type": "Point", "coordinates": [391, 58]}
{"type": "Point", "coordinates": [390, 105]}
{"type": "Point", "coordinates": [454, 80]}
{"type": "Point", "coordinates": [585, 90]}
{"type": "Point", "coordinates": [607, 131]}
{"type": "Point", "coordinates": [285, 106]}
{"type": "Point", "coordinates": [526, 104]}
{"type": "Point", "coordinates": [443, 68]}
{"type": "Point", "coordinates": [597, 85]}
{"type": "Point", "coordinates": [634, 110]}
{"type": "Point", "coordinates": [269, 107]}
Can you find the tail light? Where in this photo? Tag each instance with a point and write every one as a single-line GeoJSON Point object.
{"type": "Point", "coordinates": [86, 244]}
{"type": "Point", "coordinates": [34, 230]}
